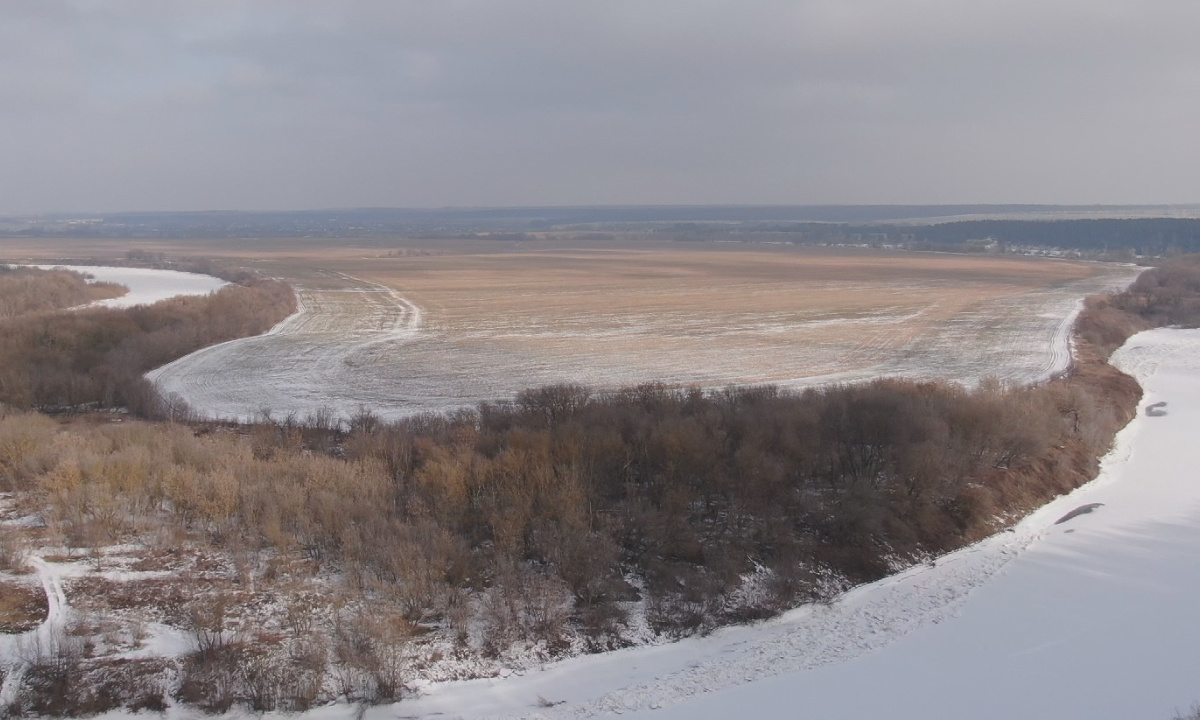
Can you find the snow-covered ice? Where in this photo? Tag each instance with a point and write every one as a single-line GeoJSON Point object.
{"type": "Point", "coordinates": [146, 286]}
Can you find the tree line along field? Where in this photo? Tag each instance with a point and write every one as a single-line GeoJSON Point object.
{"type": "Point", "coordinates": [447, 325]}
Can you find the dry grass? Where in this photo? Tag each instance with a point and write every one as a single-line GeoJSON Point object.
{"type": "Point", "coordinates": [746, 315]}
{"type": "Point", "coordinates": [22, 606]}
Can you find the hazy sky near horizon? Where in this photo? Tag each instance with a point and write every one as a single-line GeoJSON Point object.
{"type": "Point", "coordinates": [293, 104]}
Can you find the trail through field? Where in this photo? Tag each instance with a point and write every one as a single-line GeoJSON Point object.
{"type": "Point", "coordinates": [323, 356]}
{"type": "Point", "coordinates": [360, 344]}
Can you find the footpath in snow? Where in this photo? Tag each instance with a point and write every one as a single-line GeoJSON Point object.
{"type": "Point", "coordinates": [1093, 617]}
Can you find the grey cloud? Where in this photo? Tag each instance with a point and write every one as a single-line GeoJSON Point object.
{"type": "Point", "coordinates": [175, 104]}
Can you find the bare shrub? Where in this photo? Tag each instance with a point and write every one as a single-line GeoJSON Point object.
{"type": "Point", "coordinates": [53, 680]}
{"type": "Point", "coordinates": [24, 441]}
{"type": "Point", "coordinates": [206, 620]}
{"type": "Point", "coordinates": [214, 680]}
{"type": "Point", "coordinates": [524, 606]}
{"type": "Point", "coordinates": [276, 679]}
{"type": "Point", "coordinates": [603, 625]}
{"type": "Point", "coordinates": [22, 607]}
{"type": "Point", "coordinates": [14, 550]}
{"type": "Point", "coordinates": [370, 653]}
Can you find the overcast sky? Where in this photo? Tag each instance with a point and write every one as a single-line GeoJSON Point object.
{"type": "Point", "coordinates": [292, 104]}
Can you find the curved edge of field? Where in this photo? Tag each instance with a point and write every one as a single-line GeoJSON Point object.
{"type": "Point", "coordinates": [357, 344]}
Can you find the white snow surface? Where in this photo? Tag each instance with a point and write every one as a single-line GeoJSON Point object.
{"type": "Point", "coordinates": [146, 286]}
{"type": "Point", "coordinates": [1089, 618]}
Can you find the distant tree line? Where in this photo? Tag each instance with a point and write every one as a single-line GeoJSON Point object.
{"type": "Point", "coordinates": [1154, 237]}
{"type": "Point", "coordinates": [1150, 236]}
{"type": "Point", "coordinates": [802, 225]}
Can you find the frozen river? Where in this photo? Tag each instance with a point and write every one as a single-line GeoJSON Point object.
{"type": "Point", "coordinates": [146, 286]}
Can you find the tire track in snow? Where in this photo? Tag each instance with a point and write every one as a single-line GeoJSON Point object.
{"type": "Point", "coordinates": [319, 357]}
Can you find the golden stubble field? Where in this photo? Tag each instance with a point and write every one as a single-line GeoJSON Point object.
{"type": "Point", "coordinates": [408, 326]}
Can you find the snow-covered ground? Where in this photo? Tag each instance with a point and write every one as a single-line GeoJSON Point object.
{"type": "Point", "coordinates": [357, 344]}
{"type": "Point", "coordinates": [1090, 618]}
{"type": "Point", "coordinates": [146, 286]}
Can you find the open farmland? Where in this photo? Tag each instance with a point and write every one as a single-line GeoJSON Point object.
{"type": "Point", "coordinates": [402, 333]}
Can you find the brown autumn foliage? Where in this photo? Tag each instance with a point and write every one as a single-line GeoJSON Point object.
{"type": "Point", "coordinates": [25, 290]}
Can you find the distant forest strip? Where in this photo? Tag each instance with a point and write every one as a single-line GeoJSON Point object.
{"type": "Point", "coordinates": [802, 225]}
{"type": "Point", "coordinates": [1150, 237]}
{"type": "Point", "coordinates": [1108, 238]}
{"type": "Point", "coordinates": [540, 522]}
{"type": "Point", "coordinates": [96, 357]}
{"type": "Point", "coordinates": [25, 290]}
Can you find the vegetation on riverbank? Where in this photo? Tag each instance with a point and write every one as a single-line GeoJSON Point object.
{"type": "Point", "coordinates": [95, 358]}
{"type": "Point", "coordinates": [26, 290]}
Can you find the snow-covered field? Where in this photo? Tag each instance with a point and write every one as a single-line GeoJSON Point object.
{"type": "Point", "coordinates": [1090, 618]}
{"type": "Point", "coordinates": [357, 343]}
{"type": "Point", "coordinates": [146, 286]}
